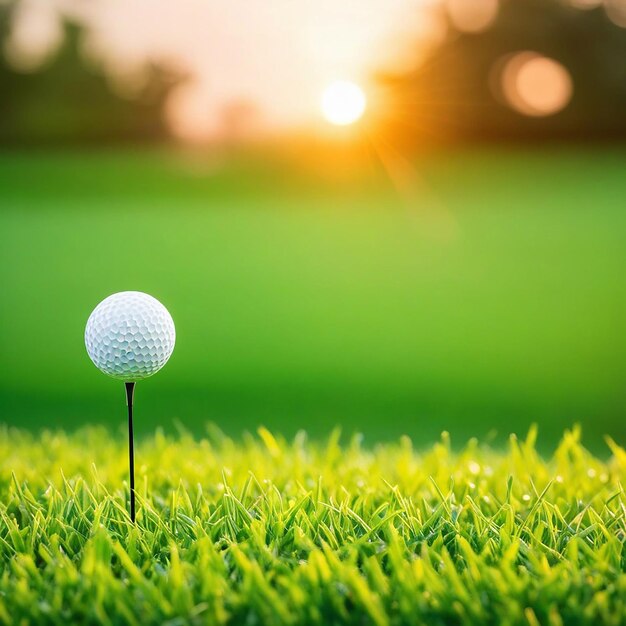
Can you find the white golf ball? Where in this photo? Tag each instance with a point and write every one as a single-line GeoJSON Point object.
{"type": "Point", "coordinates": [130, 335]}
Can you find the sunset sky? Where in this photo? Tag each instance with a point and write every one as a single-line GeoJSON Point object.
{"type": "Point", "coordinates": [279, 55]}
{"type": "Point", "coordinates": [276, 59]}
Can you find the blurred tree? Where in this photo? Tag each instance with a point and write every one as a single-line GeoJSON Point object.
{"type": "Point", "coordinates": [457, 93]}
{"type": "Point", "coordinates": [66, 101]}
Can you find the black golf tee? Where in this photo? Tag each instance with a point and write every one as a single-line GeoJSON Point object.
{"type": "Point", "coordinates": [130, 392]}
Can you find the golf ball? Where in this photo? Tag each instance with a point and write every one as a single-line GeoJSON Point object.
{"type": "Point", "coordinates": [130, 335]}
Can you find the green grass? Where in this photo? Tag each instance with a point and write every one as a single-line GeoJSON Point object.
{"type": "Point", "coordinates": [492, 295]}
{"type": "Point", "coordinates": [269, 531]}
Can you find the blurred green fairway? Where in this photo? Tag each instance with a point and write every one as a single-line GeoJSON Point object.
{"type": "Point", "coordinates": [490, 295]}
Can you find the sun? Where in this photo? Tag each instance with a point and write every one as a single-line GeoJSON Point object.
{"type": "Point", "coordinates": [343, 103]}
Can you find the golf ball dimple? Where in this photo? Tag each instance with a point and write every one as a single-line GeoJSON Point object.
{"type": "Point", "coordinates": [130, 335]}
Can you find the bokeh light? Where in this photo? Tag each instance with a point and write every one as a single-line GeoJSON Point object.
{"type": "Point", "coordinates": [586, 5]}
{"type": "Point", "coordinates": [189, 113]}
{"type": "Point", "coordinates": [35, 35]}
{"type": "Point", "coordinates": [616, 11]}
{"type": "Point", "coordinates": [343, 103]}
{"type": "Point", "coordinates": [472, 16]}
{"type": "Point", "coordinates": [535, 85]}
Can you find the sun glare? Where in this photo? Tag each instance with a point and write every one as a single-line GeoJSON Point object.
{"type": "Point", "coordinates": [343, 103]}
